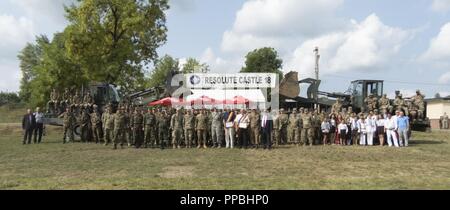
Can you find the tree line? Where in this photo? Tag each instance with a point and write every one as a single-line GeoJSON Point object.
{"type": "Point", "coordinates": [116, 42]}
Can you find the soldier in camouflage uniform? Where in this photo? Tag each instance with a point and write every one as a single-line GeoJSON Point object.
{"type": "Point", "coordinates": [255, 128]}
{"type": "Point", "coordinates": [216, 128]}
{"type": "Point", "coordinates": [88, 99]}
{"type": "Point", "coordinates": [300, 125]}
{"type": "Point", "coordinates": [52, 105]}
{"type": "Point", "coordinates": [69, 122]}
{"type": "Point", "coordinates": [400, 104]}
{"type": "Point", "coordinates": [419, 104]}
{"type": "Point", "coordinates": [108, 125]}
{"type": "Point", "coordinates": [77, 99]}
{"type": "Point", "coordinates": [189, 126]}
{"type": "Point", "coordinates": [137, 122]}
{"type": "Point", "coordinates": [371, 102]}
{"type": "Point", "coordinates": [283, 126]}
{"type": "Point", "coordinates": [120, 127]}
{"type": "Point", "coordinates": [336, 108]}
{"type": "Point", "coordinates": [84, 121]}
{"type": "Point", "coordinates": [276, 129]}
{"type": "Point", "coordinates": [307, 132]}
{"type": "Point", "coordinates": [201, 125]}
{"type": "Point", "coordinates": [150, 129]}
{"type": "Point", "coordinates": [129, 130]}
{"type": "Point", "coordinates": [177, 124]}
{"type": "Point", "coordinates": [316, 123]}
{"type": "Point", "coordinates": [385, 105]}
{"type": "Point", "coordinates": [163, 121]}
{"type": "Point", "coordinates": [293, 127]}
{"type": "Point", "coordinates": [96, 122]}
{"type": "Point", "coordinates": [66, 99]}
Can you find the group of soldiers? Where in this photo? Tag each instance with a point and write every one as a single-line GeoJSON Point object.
{"type": "Point", "coordinates": [74, 99]}
{"type": "Point", "coordinates": [162, 128]}
{"type": "Point", "coordinates": [414, 105]}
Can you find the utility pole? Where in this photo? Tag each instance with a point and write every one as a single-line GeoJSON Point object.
{"type": "Point", "coordinates": [317, 57]}
{"type": "Point", "coordinates": [316, 69]}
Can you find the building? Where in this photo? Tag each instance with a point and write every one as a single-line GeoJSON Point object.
{"type": "Point", "coordinates": [436, 107]}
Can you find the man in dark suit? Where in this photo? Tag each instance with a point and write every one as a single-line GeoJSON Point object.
{"type": "Point", "coordinates": [266, 129]}
{"type": "Point", "coordinates": [28, 124]}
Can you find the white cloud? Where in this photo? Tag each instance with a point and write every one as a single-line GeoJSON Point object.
{"type": "Point", "coordinates": [10, 79]}
{"type": "Point", "coordinates": [52, 9]}
{"type": "Point", "coordinates": [439, 49]}
{"type": "Point", "coordinates": [261, 23]}
{"type": "Point", "coordinates": [445, 78]}
{"type": "Point", "coordinates": [440, 5]}
{"type": "Point", "coordinates": [218, 64]}
{"type": "Point", "coordinates": [14, 33]}
{"type": "Point", "coordinates": [364, 46]}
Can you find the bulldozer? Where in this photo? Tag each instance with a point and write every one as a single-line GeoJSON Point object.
{"type": "Point", "coordinates": [359, 90]}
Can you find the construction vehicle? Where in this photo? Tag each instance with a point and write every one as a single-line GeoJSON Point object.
{"type": "Point", "coordinates": [353, 97]}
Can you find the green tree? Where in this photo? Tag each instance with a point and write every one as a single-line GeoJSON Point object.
{"type": "Point", "coordinates": [112, 40]}
{"type": "Point", "coordinates": [30, 57]}
{"type": "Point", "coordinates": [263, 60]}
{"type": "Point", "coordinates": [163, 67]}
{"type": "Point", "coordinates": [194, 66]}
{"type": "Point", "coordinates": [55, 70]}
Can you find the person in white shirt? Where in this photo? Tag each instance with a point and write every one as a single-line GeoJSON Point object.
{"type": "Point", "coordinates": [362, 130]}
{"type": "Point", "coordinates": [370, 126]}
{"type": "Point", "coordinates": [395, 118]}
{"type": "Point", "coordinates": [380, 128]}
{"type": "Point", "coordinates": [390, 126]}
{"type": "Point", "coordinates": [326, 126]}
{"type": "Point", "coordinates": [342, 130]}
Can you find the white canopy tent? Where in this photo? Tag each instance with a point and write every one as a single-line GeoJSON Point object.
{"type": "Point", "coordinates": [255, 96]}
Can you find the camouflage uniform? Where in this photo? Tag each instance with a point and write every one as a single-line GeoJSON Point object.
{"type": "Point", "coordinates": [150, 129]}
{"type": "Point", "coordinates": [96, 122]}
{"type": "Point", "coordinates": [336, 108]}
{"type": "Point", "coordinates": [307, 131]}
{"type": "Point", "coordinates": [85, 125]}
{"type": "Point", "coordinates": [400, 104]}
{"type": "Point", "coordinates": [385, 104]}
{"type": "Point", "coordinates": [137, 122]}
{"type": "Point", "coordinates": [283, 126]}
{"type": "Point", "coordinates": [120, 126]}
{"type": "Point", "coordinates": [216, 128]}
{"type": "Point", "coordinates": [52, 105]}
{"type": "Point", "coordinates": [177, 124]}
{"type": "Point", "coordinates": [276, 129]}
{"type": "Point", "coordinates": [201, 125]}
{"type": "Point", "coordinates": [69, 122]}
{"type": "Point", "coordinates": [316, 124]}
{"type": "Point", "coordinates": [418, 102]}
{"type": "Point", "coordinates": [189, 126]}
{"type": "Point", "coordinates": [255, 128]}
{"type": "Point", "coordinates": [108, 126]}
{"type": "Point", "coordinates": [163, 121]}
{"type": "Point", "coordinates": [293, 127]}
{"type": "Point", "coordinates": [129, 130]}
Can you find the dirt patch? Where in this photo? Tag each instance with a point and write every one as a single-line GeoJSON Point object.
{"type": "Point", "coordinates": [177, 172]}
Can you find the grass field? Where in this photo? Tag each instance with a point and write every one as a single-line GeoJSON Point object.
{"type": "Point", "coordinates": [52, 165]}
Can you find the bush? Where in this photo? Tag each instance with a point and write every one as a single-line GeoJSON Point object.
{"type": "Point", "coordinates": [9, 98]}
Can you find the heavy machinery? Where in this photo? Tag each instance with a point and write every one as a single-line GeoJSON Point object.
{"type": "Point", "coordinates": [354, 97]}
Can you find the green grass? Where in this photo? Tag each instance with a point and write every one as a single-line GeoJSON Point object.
{"type": "Point", "coordinates": [52, 165]}
{"type": "Point", "coordinates": [12, 114]}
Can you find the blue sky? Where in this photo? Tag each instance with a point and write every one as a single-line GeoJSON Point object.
{"type": "Point", "coordinates": [406, 43]}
